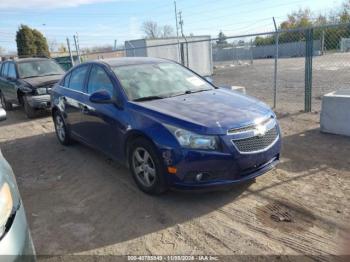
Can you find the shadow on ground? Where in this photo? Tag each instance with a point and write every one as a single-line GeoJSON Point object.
{"type": "Point", "coordinates": [314, 150]}
{"type": "Point", "coordinates": [80, 200]}
{"type": "Point", "coordinates": [17, 115]}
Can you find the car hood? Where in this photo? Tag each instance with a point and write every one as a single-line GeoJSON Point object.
{"type": "Point", "coordinates": [42, 80]}
{"type": "Point", "coordinates": [208, 112]}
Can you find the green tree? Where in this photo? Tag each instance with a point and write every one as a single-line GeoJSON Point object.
{"type": "Point", "coordinates": [42, 48]}
{"type": "Point", "coordinates": [259, 41]}
{"type": "Point", "coordinates": [298, 19]}
{"type": "Point", "coordinates": [25, 41]}
{"type": "Point", "coordinates": [221, 39]}
{"type": "Point", "coordinates": [344, 14]}
{"type": "Point", "coordinates": [302, 19]}
{"type": "Point", "coordinates": [31, 42]}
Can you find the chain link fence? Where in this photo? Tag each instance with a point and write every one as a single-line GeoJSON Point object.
{"type": "Point", "coordinates": [289, 69]}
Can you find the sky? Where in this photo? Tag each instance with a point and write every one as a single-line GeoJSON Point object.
{"type": "Point", "coordinates": [101, 22]}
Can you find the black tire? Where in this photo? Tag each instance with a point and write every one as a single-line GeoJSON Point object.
{"type": "Point", "coordinates": [158, 185]}
{"type": "Point", "coordinates": [60, 126]}
{"type": "Point", "coordinates": [5, 105]}
{"type": "Point", "coordinates": [30, 111]}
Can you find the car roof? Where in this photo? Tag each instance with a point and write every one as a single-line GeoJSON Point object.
{"type": "Point", "coordinates": [123, 61]}
{"type": "Point", "coordinates": [30, 59]}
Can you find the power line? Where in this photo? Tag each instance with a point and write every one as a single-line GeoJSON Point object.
{"type": "Point", "coordinates": [247, 12]}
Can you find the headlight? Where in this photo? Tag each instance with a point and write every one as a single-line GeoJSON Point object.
{"type": "Point", "coordinates": [41, 91]}
{"type": "Point", "coordinates": [6, 206]}
{"type": "Point", "coordinates": [189, 139]}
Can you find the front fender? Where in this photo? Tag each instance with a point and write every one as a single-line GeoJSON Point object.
{"type": "Point", "coordinates": [164, 142]}
{"type": "Point", "coordinates": [25, 89]}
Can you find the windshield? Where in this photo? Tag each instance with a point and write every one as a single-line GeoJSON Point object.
{"type": "Point", "coordinates": [159, 80]}
{"type": "Point", "coordinates": [39, 68]}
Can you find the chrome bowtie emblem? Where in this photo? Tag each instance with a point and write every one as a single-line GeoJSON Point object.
{"type": "Point", "coordinates": [260, 131]}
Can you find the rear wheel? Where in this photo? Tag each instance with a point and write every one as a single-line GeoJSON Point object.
{"type": "Point", "coordinates": [146, 167]}
{"type": "Point", "coordinates": [30, 111]}
{"type": "Point", "coordinates": [62, 130]}
{"type": "Point", "coordinates": [5, 105]}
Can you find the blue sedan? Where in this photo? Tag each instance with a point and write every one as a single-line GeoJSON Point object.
{"type": "Point", "coordinates": [171, 127]}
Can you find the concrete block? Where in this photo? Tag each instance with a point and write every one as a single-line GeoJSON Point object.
{"type": "Point", "coordinates": [238, 89]}
{"type": "Point", "coordinates": [335, 113]}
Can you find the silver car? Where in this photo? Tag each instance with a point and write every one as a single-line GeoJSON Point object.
{"type": "Point", "coordinates": [15, 240]}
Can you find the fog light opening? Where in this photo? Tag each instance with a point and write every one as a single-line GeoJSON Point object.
{"type": "Point", "coordinates": [199, 177]}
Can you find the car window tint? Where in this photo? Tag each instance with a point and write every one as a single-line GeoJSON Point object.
{"type": "Point", "coordinates": [4, 69]}
{"type": "Point", "coordinates": [12, 70]}
{"type": "Point", "coordinates": [99, 80]}
{"type": "Point", "coordinates": [77, 78]}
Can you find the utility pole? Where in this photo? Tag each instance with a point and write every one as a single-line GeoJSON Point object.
{"type": "Point", "coordinates": [78, 43]}
{"type": "Point", "coordinates": [115, 45]}
{"type": "Point", "coordinates": [70, 52]}
{"type": "Point", "coordinates": [276, 64]}
{"type": "Point", "coordinates": [77, 48]}
{"type": "Point", "coordinates": [181, 22]}
{"type": "Point", "coordinates": [322, 42]}
{"type": "Point", "coordinates": [177, 33]}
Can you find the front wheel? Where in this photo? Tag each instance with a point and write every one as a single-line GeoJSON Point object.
{"type": "Point", "coordinates": [62, 130]}
{"type": "Point", "coordinates": [30, 111]}
{"type": "Point", "coordinates": [146, 167]}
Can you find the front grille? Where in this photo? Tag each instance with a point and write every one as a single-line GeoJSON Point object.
{"type": "Point", "coordinates": [248, 128]}
{"type": "Point", "coordinates": [257, 143]}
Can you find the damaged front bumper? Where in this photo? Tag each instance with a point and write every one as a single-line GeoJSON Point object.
{"type": "Point", "coordinates": [39, 101]}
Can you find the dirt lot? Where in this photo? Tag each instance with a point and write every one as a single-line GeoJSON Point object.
{"type": "Point", "coordinates": [330, 72]}
{"type": "Point", "coordinates": [79, 202]}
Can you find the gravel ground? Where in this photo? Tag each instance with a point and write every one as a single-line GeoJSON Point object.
{"type": "Point", "coordinates": [80, 202]}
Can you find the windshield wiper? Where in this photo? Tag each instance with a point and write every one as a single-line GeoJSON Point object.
{"type": "Point", "coordinates": [55, 74]}
{"type": "Point", "coordinates": [148, 98]}
{"type": "Point", "coordinates": [190, 92]}
{"type": "Point", "coordinates": [39, 76]}
{"type": "Point", "coordinates": [29, 77]}
{"type": "Point", "coordinates": [200, 90]}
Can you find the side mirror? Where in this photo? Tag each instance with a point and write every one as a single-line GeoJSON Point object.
{"type": "Point", "coordinates": [101, 97]}
{"type": "Point", "coordinates": [209, 79]}
{"type": "Point", "coordinates": [2, 114]}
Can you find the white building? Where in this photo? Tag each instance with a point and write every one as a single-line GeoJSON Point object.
{"type": "Point", "coordinates": [196, 54]}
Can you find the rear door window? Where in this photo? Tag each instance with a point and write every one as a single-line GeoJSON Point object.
{"type": "Point", "coordinates": [12, 71]}
{"type": "Point", "coordinates": [77, 78]}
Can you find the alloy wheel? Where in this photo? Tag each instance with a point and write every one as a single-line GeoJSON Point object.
{"type": "Point", "coordinates": [60, 128]}
{"type": "Point", "coordinates": [144, 167]}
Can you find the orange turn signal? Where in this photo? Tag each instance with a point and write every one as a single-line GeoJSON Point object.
{"type": "Point", "coordinates": [172, 170]}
